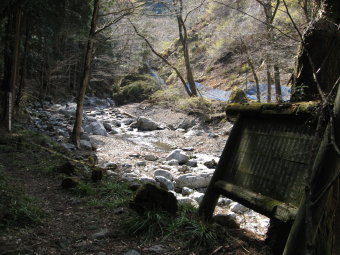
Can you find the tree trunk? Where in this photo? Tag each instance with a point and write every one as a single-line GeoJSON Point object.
{"type": "Point", "coordinates": [23, 68]}
{"type": "Point", "coordinates": [184, 40]}
{"type": "Point", "coordinates": [86, 77]}
{"type": "Point", "coordinates": [277, 82]}
{"type": "Point", "coordinates": [319, 53]}
{"type": "Point", "coordinates": [252, 67]}
{"type": "Point", "coordinates": [269, 81]}
{"type": "Point", "coordinates": [183, 36]}
{"type": "Point", "coordinates": [317, 71]}
{"type": "Point", "coordinates": [12, 62]}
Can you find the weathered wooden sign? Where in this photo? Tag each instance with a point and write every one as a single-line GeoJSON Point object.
{"type": "Point", "coordinates": [265, 160]}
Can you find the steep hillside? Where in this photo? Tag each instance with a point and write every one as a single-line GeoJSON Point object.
{"type": "Point", "coordinates": [224, 38]}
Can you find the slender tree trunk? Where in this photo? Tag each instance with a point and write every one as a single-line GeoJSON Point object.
{"type": "Point", "coordinates": [269, 81]}
{"type": "Point", "coordinates": [86, 76]}
{"type": "Point", "coordinates": [23, 67]}
{"type": "Point", "coordinates": [277, 82]}
{"type": "Point", "coordinates": [184, 40]}
{"type": "Point", "coordinates": [252, 68]}
{"type": "Point", "coordinates": [14, 25]}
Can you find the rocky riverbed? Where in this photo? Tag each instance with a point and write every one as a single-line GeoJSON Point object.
{"type": "Point", "coordinates": [148, 144]}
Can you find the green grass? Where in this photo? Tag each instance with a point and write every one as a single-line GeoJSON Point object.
{"type": "Point", "coordinates": [16, 209]}
{"type": "Point", "coordinates": [107, 194]}
{"type": "Point", "coordinates": [186, 228]}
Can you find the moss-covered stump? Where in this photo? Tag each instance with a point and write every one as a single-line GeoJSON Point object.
{"type": "Point", "coordinates": [151, 198]}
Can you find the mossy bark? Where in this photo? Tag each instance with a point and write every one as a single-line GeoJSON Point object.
{"type": "Point", "coordinates": [319, 54]}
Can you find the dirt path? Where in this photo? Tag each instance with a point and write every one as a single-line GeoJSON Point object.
{"type": "Point", "coordinates": [69, 226]}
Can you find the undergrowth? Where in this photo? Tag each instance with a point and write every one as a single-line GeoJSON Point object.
{"type": "Point", "coordinates": [177, 99]}
{"type": "Point", "coordinates": [186, 228]}
{"type": "Point", "coordinates": [107, 194]}
{"type": "Point", "coordinates": [16, 209]}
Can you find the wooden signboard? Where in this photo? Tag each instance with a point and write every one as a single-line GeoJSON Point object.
{"type": "Point", "coordinates": [265, 160]}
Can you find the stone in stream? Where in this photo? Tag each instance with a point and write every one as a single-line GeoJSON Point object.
{"type": "Point", "coordinates": [187, 191]}
{"type": "Point", "coordinates": [187, 200]}
{"type": "Point", "coordinates": [96, 128]}
{"type": "Point", "coordinates": [211, 164]}
{"type": "Point", "coordinates": [84, 136]}
{"type": "Point", "coordinates": [145, 124]}
{"type": "Point", "coordinates": [107, 126]}
{"type": "Point", "coordinates": [198, 196]}
{"type": "Point", "coordinates": [116, 123]}
{"type": "Point", "coordinates": [165, 183]}
{"type": "Point", "coordinates": [150, 157]}
{"type": "Point", "coordinates": [164, 173]}
{"type": "Point", "coordinates": [193, 181]}
{"type": "Point", "coordinates": [238, 208]}
{"type": "Point", "coordinates": [178, 155]}
{"type": "Point", "coordinates": [192, 163]}
{"type": "Point", "coordinates": [86, 145]}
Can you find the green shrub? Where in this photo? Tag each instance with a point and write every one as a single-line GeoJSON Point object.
{"type": "Point", "coordinates": [135, 89]}
{"type": "Point", "coordinates": [198, 105]}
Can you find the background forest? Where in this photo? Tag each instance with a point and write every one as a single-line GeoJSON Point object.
{"type": "Point", "coordinates": [230, 44]}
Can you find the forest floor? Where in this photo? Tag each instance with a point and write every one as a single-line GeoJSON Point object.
{"type": "Point", "coordinates": [52, 220]}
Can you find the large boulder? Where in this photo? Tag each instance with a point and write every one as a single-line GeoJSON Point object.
{"type": "Point", "coordinates": [96, 128]}
{"type": "Point", "coordinates": [178, 155]}
{"type": "Point", "coordinates": [145, 124]}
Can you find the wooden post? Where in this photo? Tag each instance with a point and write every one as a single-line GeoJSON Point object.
{"type": "Point", "coordinates": [9, 122]}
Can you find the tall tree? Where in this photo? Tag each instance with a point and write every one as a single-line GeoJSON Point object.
{"type": "Point", "coordinates": [318, 77]}
{"type": "Point", "coordinates": [183, 36]}
{"type": "Point", "coordinates": [86, 76]}
{"type": "Point", "coordinates": [319, 54]}
{"type": "Point", "coordinates": [270, 14]}
{"type": "Point", "coordinates": [11, 57]}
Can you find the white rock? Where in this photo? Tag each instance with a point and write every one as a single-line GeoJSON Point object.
{"type": "Point", "coordinates": [179, 155]}
{"type": "Point", "coordinates": [193, 181]}
{"type": "Point", "coordinates": [198, 196]}
{"type": "Point", "coordinates": [164, 173]}
{"type": "Point", "coordinates": [165, 183]}
{"type": "Point", "coordinates": [146, 179]}
{"type": "Point", "coordinates": [222, 201]}
{"type": "Point", "coordinates": [238, 208]}
{"type": "Point", "coordinates": [187, 200]}
{"type": "Point", "coordinates": [187, 191]}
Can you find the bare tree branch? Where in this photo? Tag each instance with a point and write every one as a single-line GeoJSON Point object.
{"type": "Point", "coordinates": [194, 9]}
{"type": "Point", "coordinates": [261, 21]}
{"type": "Point", "coordinates": [161, 57]}
{"type": "Point", "coordinates": [112, 22]}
